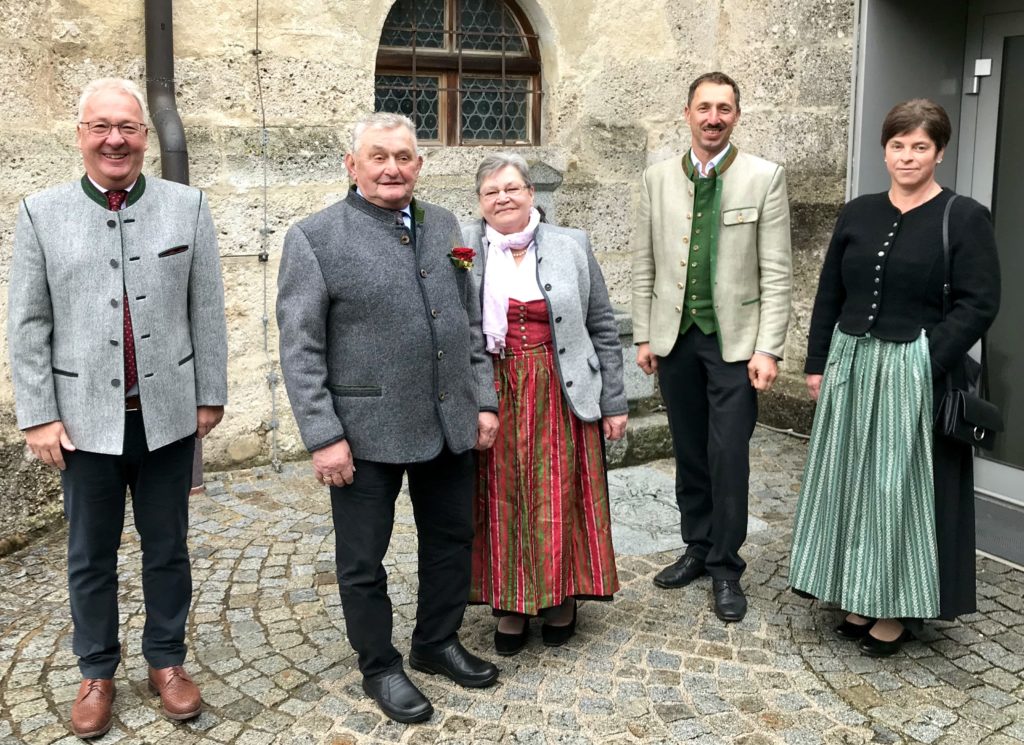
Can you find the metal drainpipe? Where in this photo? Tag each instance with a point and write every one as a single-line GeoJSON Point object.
{"type": "Point", "coordinates": [163, 110]}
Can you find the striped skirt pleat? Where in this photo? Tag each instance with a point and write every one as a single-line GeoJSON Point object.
{"type": "Point", "coordinates": [543, 527]}
{"type": "Point", "coordinates": [864, 536]}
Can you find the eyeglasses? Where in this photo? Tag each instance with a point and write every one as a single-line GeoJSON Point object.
{"type": "Point", "coordinates": [510, 191]}
{"type": "Point", "coordinates": [127, 129]}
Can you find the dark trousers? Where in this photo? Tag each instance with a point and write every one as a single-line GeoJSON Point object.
{"type": "Point", "coordinates": [94, 502]}
{"type": "Point", "coordinates": [364, 513]}
{"type": "Point", "coordinates": [712, 409]}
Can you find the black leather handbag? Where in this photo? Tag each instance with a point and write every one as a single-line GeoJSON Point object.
{"type": "Point", "coordinates": [963, 415]}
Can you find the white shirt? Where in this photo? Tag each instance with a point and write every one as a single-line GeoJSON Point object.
{"type": "Point", "coordinates": [703, 169]}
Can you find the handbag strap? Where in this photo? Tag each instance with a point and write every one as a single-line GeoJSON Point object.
{"type": "Point", "coordinates": [947, 292]}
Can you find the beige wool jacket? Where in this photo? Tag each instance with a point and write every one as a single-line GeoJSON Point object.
{"type": "Point", "coordinates": [751, 265]}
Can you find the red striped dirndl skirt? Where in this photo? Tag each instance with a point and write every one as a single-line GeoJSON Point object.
{"type": "Point", "coordinates": [543, 528]}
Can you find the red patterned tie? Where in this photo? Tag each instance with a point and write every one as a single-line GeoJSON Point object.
{"type": "Point", "coordinates": [115, 199]}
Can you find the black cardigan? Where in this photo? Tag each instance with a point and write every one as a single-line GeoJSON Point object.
{"type": "Point", "coordinates": [883, 275]}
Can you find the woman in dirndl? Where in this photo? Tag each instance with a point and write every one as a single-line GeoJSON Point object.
{"type": "Point", "coordinates": [543, 528]}
{"type": "Point", "coordinates": [885, 520]}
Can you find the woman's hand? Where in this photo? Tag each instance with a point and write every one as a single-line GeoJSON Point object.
{"type": "Point", "coordinates": [614, 426]}
{"type": "Point", "coordinates": [814, 386]}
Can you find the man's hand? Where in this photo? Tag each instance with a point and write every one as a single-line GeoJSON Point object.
{"type": "Point", "coordinates": [814, 386]}
{"type": "Point", "coordinates": [645, 360]}
{"type": "Point", "coordinates": [614, 426]}
{"type": "Point", "coordinates": [486, 429]}
{"type": "Point", "coordinates": [46, 440]}
{"type": "Point", "coordinates": [333, 464]}
{"type": "Point", "coordinates": [207, 417]}
{"type": "Point", "coordinates": [762, 371]}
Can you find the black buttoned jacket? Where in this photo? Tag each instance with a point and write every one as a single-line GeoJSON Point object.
{"type": "Point", "coordinates": [883, 274]}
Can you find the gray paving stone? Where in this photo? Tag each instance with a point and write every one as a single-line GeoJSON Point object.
{"type": "Point", "coordinates": [267, 641]}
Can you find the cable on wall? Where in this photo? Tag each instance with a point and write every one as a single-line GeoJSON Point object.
{"type": "Point", "coordinates": [273, 378]}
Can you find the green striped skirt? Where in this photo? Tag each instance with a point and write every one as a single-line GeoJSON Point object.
{"type": "Point", "coordinates": [864, 536]}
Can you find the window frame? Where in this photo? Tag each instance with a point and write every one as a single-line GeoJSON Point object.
{"type": "Point", "coordinates": [450, 64]}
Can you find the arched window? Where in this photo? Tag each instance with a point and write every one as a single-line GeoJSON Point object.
{"type": "Point", "coordinates": [466, 71]}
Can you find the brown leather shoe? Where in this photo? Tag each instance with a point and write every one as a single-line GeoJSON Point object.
{"type": "Point", "coordinates": [178, 694]}
{"type": "Point", "coordinates": [90, 714]}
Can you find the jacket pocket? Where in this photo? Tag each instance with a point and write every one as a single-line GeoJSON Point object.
{"type": "Point", "coordinates": [186, 359]}
{"type": "Point", "coordinates": [356, 391]}
{"type": "Point", "coordinates": [65, 373]}
{"type": "Point", "coordinates": [751, 301]}
{"type": "Point", "coordinates": [172, 251]}
{"type": "Point", "coordinates": [739, 216]}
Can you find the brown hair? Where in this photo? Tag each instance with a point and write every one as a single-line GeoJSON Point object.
{"type": "Point", "coordinates": [718, 78]}
{"type": "Point", "coordinates": [918, 112]}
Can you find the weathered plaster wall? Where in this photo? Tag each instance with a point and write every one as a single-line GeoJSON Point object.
{"type": "Point", "coordinates": [615, 76]}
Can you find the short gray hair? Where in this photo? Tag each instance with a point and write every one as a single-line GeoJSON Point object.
{"type": "Point", "coordinates": [383, 120]}
{"type": "Point", "coordinates": [495, 162]}
{"type": "Point", "coordinates": [121, 85]}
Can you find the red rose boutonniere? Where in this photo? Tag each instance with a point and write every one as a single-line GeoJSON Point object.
{"type": "Point", "coordinates": [462, 257]}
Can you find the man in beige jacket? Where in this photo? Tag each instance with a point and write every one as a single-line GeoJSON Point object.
{"type": "Point", "coordinates": [711, 289]}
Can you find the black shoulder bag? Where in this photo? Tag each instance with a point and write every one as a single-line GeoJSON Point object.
{"type": "Point", "coordinates": [963, 415]}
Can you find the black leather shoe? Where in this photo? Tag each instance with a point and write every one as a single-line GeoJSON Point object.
{"type": "Point", "coordinates": [507, 644]}
{"type": "Point", "coordinates": [397, 697]}
{"type": "Point", "coordinates": [680, 573]}
{"type": "Point", "coordinates": [455, 662]}
{"type": "Point", "coordinates": [730, 602]}
{"type": "Point", "coordinates": [874, 647]}
{"type": "Point", "coordinates": [853, 631]}
{"type": "Point", "coordinates": [557, 636]}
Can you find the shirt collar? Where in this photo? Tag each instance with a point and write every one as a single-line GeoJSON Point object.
{"type": "Point", "coordinates": [406, 210]}
{"type": "Point", "coordinates": [701, 168]}
{"type": "Point", "coordinates": [103, 190]}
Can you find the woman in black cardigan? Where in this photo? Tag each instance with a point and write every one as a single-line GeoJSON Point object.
{"type": "Point", "coordinates": [885, 521]}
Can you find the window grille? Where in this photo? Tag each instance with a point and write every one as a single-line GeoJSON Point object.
{"type": "Point", "coordinates": [467, 72]}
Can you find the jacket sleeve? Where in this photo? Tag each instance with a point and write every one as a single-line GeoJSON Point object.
{"type": "Point", "coordinates": [29, 328]}
{"type": "Point", "coordinates": [643, 268]}
{"type": "Point", "coordinates": [206, 314]}
{"type": "Point", "coordinates": [480, 359]}
{"type": "Point", "coordinates": [775, 267]}
{"type": "Point", "coordinates": [828, 302]}
{"type": "Point", "coordinates": [974, 285]}
{"type": "Point", "coordinates": [302, 307]}
{"type": "Point", "coordinates": [604, 335]}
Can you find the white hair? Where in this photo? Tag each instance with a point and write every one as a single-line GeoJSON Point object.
{"type": "Point", "coordinates": [120, 85]}
{"type": "Point", "coordinates": [383, 120]}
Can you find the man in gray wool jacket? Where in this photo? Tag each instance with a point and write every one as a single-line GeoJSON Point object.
{"type": "Point", "coordinates": [384, 362]}
{"type": "Point", "coordinates": [119, 359]}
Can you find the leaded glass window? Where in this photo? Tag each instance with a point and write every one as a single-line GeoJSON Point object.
{"type": "Point", "coordinates": [466, 71]}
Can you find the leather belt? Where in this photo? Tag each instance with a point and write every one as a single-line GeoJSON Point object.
{"type": "Point", "coordinates": [132, 403]}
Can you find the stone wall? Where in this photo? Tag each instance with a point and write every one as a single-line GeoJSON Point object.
{"type": "Point", "coordinates": [615, 76]}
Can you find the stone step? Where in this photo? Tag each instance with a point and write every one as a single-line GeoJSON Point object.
{"type": "Point", "coordinates": [647, 438]}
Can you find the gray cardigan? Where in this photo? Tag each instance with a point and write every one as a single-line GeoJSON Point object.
{"type": "Point", "coordinates": [588, 355]}
{"type": "Point", "coordinates": [380, 338]}
{"type": "Point", "coordinates": [73, 262]}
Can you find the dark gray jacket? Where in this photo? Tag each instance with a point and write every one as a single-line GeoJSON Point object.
{"type": "Point", "coordinates": [586, 338]}
{"type": "Point", "coordinates": [380, 338]}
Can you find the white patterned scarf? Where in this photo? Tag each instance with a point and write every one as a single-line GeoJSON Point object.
{"type": "Point", "coordinates": [500, 267]}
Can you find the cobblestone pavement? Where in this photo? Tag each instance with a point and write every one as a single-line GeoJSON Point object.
{"type": "Point", "coordinates": [267, 641]}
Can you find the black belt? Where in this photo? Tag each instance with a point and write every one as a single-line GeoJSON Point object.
{"type": "Point", "coordinates": [132, 403]}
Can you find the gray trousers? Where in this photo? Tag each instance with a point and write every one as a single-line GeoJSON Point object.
{"type": "Point", "coordinates": [94, 503]}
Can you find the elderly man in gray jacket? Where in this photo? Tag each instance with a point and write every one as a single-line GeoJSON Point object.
{"type": "Point", "coordinates": [118, 353]}
{"type": "Point", "coordinates": [387, 376]}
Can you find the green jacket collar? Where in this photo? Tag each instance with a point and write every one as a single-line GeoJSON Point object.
{"type": "Point", "coordinates": [721, 168]}
{"type": "Point", "coordinates": [100, 198]}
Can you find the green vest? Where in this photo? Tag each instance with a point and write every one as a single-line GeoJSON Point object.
{"type": "Point", "coordinates": [698, 301]}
